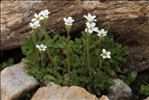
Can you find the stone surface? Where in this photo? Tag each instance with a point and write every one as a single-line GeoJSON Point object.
{"type": "Point", "coordinates": [104, 97]}
{"type": "Point", "coordinates": [147, 98]}
{"type": "Point", "coordinates": [15, 82]}
{"type": "Point", "coordinates": [138, 58]}
{"type": "Point", "coordinates": [56, 92]}
{"type": "Point", "coordinates": [119, 91]}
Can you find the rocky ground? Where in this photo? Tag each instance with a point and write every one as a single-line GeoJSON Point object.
{"type": "Point", "coordinates": [16, 84]}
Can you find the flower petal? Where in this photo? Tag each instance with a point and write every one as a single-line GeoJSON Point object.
{"type": "Point", "coordinates": [104, 50]}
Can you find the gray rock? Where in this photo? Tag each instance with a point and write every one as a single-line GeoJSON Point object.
{"type": "Point", "coordinates": [15, 82]}
{"type": "Point", "coordinates": [56, 92]}
{"type": "Point", "coordinates": [119, 91]}
{"type": "Point", "coordinates": [147, 98]}
{"type": "Point", "coordinates": [104, 97]}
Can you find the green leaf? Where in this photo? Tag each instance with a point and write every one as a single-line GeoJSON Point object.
{"type": "Point", "coordinates": [131, 77]}
{"type": "Point", "coordinates": [144, 89]}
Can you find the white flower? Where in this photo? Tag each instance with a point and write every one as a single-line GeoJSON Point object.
{"type": "Point", "coordinates": [37, 18]}
{"type": "Point", "coordinates": [105, 54]}
{"type": "Point", "coordinates": [103, 97]}
{"type": "Point", "coordinates": [91, 27]}
{"type": "Point", "coordinates": [35, 24]}
{"type": "Point", "coordinates": [102, 33]}
{"type": "Point", "coordinates": [41, 47]}
{"type": "Point", "coordinates": [68, 21]}
{"type": "Point", "coordinates": [44, 13]}
{"type": "Point", "coordinates": [90, 18]}
{"type": "Point", "coordinates": [90, 24]}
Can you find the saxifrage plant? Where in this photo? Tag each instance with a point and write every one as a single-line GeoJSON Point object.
{"type": "Point", "coordinates": [91, 60]}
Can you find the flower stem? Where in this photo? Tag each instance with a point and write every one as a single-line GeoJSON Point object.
{"type": "Point", "coordinates": [68, 49]}
{"type": "Point", "coordinates": [34, 39]}
{"type": "Point", "coordinates": [48, 51]}
{"type": "Point", "coordinates": [100, 63]}
{"type": "Point", "coordinates": [42, 57]}
{"type": "Point", "coordinates": [87, 49]}
{"type": "Point", "coordinates": [84, 49]}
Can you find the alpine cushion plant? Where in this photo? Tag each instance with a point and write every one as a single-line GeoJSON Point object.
{"type": "Point", "coordinates": [88, 61]}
